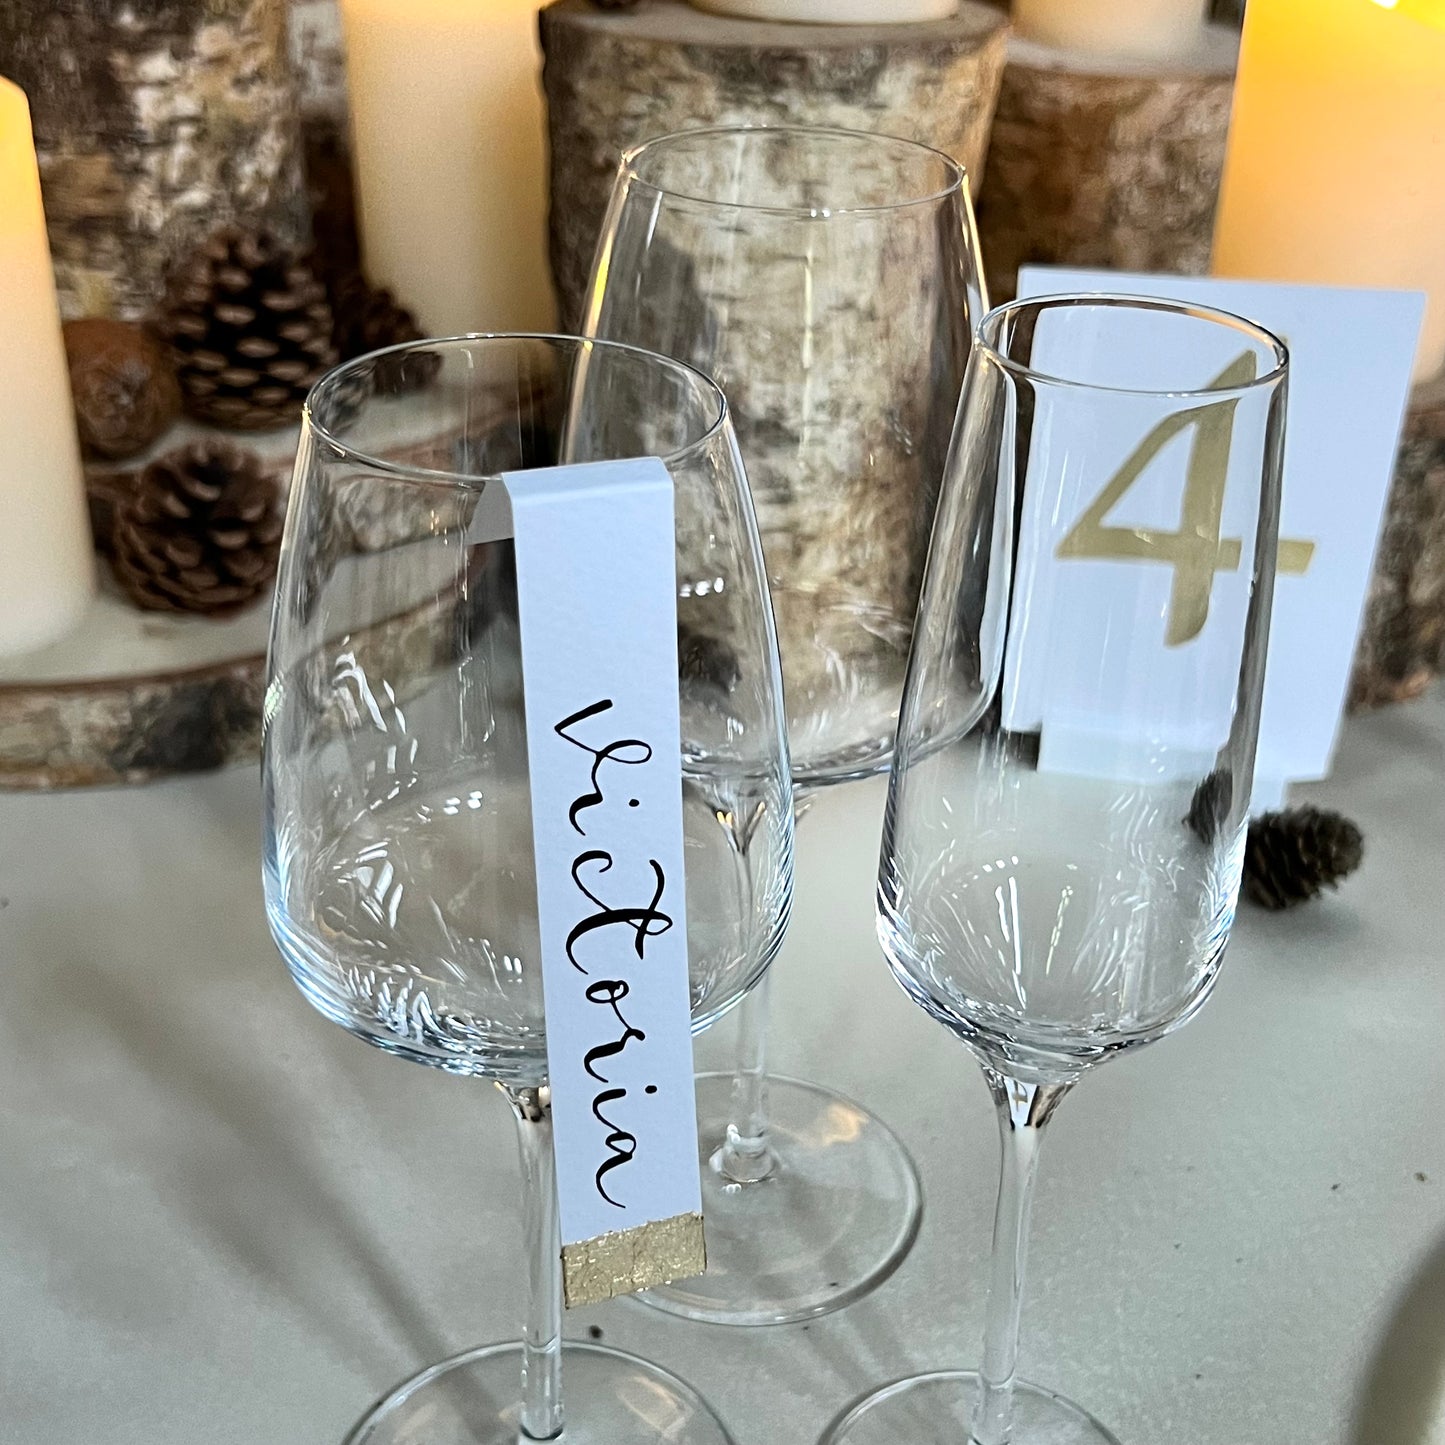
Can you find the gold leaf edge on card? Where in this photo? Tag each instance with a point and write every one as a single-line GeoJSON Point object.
{"type": "Point", "coordinates": [627, 1260]}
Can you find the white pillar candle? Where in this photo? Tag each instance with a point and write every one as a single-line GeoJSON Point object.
{"type": "Point", "coordinates": [450, 153]}
{"type": "Point", "coordinates": [1132, 29]}
{"type": "Point", "coordinates": [833, 12]}
{"type": "Point", "coordinates": [1335, 171]}
{"type": "Point", "coordinates": [47, 568]}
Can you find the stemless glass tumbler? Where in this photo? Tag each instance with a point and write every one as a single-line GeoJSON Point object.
{"type": "Point", "coordinates": [398, 854]}
{"type": "Point", "coordinates": [1070, 790]}
{"type": "Point", "coordinates": [829, 281]}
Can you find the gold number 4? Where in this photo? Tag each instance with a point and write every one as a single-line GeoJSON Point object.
{"type": "Point", "coordinates": [1195, 550]}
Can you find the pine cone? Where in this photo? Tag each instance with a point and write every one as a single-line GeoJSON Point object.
{"type": "Point", "coordinates": [706, 660]}
{"type": "Point", "coordinates": [1210, 806]}
{"type": "Point", "coordinates": [1292, 856]}
{"type": "Point", "coordinates": [367, 318]}
{"type": "Point", "coordinates": [200, 532]}
{"type": "Point", "coordinates": [250, 328]}
{"type": "Point", "coordinates": [122, 384]}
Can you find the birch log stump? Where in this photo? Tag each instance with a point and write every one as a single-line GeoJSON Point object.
{"type": "Point", "coordinates": [318, 59]}
{"type": "Point", "coordinates": [155, 121]}
{"type": "Point", "coordinates": [1402, 644]}
{"type": "Point", "coordinates": [616, 78]}
{"type": "Point", "coordinates": [1092, 164]}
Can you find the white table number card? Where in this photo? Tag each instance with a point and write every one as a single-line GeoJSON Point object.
{"type": "Point", "coordinates": [1187, 523]}
{"type": "Point", "coordinates": [597, 602]}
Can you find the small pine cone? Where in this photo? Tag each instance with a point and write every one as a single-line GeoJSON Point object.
{"type": "Point", "coordinates": [122, 383]}
{"type": "Point", "coordinates": [706, 660]}
{"type": "Point", "coordinates": [1292, 856]}
{"type": "Point", "coordinates": [200, 532]}
{"type": "Point", "coordinates": [250, 329]}
{"type": "Point", "coordinates": [368, 317]}
{"type": "Point", "coordinates": [1210, 806]}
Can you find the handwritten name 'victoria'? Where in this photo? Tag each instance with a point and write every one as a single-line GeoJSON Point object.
{"type": "Point", "coordinates": [599, 943]}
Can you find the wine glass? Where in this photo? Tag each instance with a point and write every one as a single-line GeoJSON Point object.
{"type": "Point", "coordinates": [399, 878]}
{"type": "Point", "coordinates": [1070, 789]}
{"type": "Point", "coordinates": [829, 281]}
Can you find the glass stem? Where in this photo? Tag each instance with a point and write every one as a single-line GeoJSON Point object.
{"type": "Point", "coordinates": [746, 1156]}
{"type": "Point", "coordinates": [541, 1415]}
{"type": "Point", "coordinates": [1023, 1111]}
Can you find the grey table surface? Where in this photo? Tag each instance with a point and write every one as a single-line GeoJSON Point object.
{"type": "Point", "coordinates": [222, 1219]}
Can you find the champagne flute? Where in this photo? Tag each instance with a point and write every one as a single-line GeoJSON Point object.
{"type": "Point", "coordinates": [829, 280]}
{"type": "Point", "coordinates": [1070, 789]}
{"type": "Point", "coordinates": [399, 874]}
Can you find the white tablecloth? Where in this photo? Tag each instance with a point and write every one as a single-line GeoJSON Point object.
{"type": "Point", "coordinates": [224, 1221]}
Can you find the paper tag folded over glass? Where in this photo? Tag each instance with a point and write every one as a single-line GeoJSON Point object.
{"type": "Point", "coordinates": [597, 600]}
{"type": "Point", "coordinates": [1161, 519]}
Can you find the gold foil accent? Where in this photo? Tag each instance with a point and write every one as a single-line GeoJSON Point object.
{"type": "Point", "coordinates": [628, 1260]}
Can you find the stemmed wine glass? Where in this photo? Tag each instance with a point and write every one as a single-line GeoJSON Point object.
{"type": "Point", "coordinates": [398, 844]}
{"type": "Point", "coordinates": [1070, 790]}
{"type": "Point", "coordinates": [829, 281]}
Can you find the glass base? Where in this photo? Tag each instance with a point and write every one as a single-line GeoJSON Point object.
{"type": "Point", "coordinates": [831, 1221]}
{"type": "Point", "coordinates": [938, 1410]}
{"type": "Point", "coordinates": [611, 1398]}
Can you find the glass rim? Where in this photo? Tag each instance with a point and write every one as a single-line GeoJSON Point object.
{"type": "Point", "coordinates": [1215, 315]}
{"type": "Point", "coordinates": [958, 173]}
{"type": "Point", "coordinates": [556, 340]}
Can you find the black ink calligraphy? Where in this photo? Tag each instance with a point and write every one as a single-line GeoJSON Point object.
{"type": "Point", "coordinates": [643, 920]}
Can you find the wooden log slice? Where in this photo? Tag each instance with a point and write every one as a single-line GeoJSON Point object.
{"type": "Point", "coordinates": [1402, 643]}
{"type": "Point", "coordinates": [1095, 164]}
{"type": "Point", "coordinates": [155, 121]}
{"type": "Point", "coordinates": [132, 728]}
{"type": "Point", "coordinates": [616, 78]}
{"type": "Point", "coordinates": [77, 735]}
{"type": "Point", "coordinates": [130, 696]}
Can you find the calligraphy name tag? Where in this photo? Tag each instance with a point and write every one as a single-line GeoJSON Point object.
{"type": "Point", "coordinates": [1155, 502]}
{"type": "Point", "coordinates": [597, 605]}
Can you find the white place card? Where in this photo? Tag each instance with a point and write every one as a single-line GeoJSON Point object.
{"type": "Point", "coordinates": [1351, 354]}
{"type": "Point", "coordinates": [597, 601]}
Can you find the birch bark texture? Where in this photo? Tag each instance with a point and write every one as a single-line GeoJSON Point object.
{"type": "Point", "coordinates": [1102, 163]}
{"type": "Point", "coordinates": [155, 121]}
{"type": "Point", "coordinates": [615, 78]}
{"type": "Point", "coordinates": [1402, 643]}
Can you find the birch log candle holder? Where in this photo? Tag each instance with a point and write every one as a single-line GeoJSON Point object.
{"type": "Point", "coordinates": [1402, 642]}
{"type": "Point", "coordinates": [1106, 163]}
{"type": "Point", "coordinates": [318, 62]}
{"type": "Point", "coordinates": [153, 125]}
{"type": "Point", "coordinates": [615, 78]}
